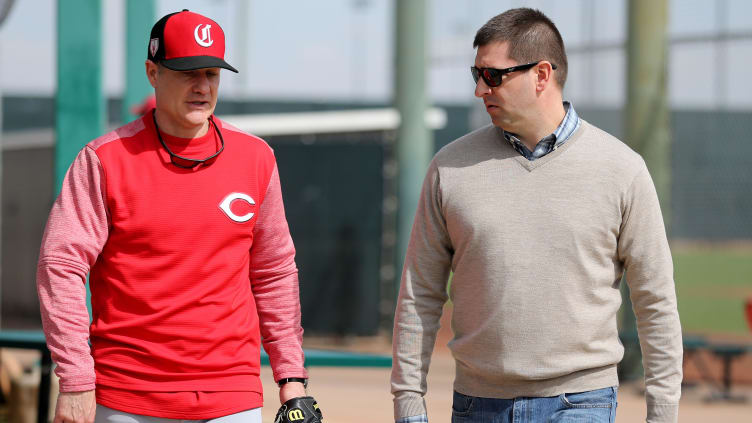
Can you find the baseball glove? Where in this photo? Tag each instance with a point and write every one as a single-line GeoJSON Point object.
{"type": "Point", "coordinates": [299, 410]}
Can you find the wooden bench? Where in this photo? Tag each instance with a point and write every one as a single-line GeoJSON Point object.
{"type": "Point", "coordinates": [33, 340]}
{"type": "Point", "coordinates": [727, 353]}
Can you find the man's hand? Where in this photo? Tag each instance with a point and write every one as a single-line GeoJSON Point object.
{"type": "Point", "coordinates": [75, 407]}
{"type": "Point", "coordinates": [299, 410]}
{"type": "Point", "coordinates": [290, 390]}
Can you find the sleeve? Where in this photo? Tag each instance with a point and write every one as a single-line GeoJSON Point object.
{"type": "Point", "coordinates": [76, 232]}
{"type": "Point", "coordinates": [644, 250]}
{"type": "Point", "coordinates": [423, 418]}
{"type": "Point", "coordinates": [421, 299]}
{"type": "Point", "coordinates": [274, 281]}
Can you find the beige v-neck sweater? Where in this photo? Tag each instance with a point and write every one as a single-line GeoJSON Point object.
{"type": "Point", "coordinates": [538, 250]}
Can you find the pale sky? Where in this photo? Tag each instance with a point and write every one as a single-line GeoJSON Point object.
{"type": "Point", "coordinates": [343, 49]}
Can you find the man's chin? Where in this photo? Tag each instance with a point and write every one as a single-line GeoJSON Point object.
{"type": "Point", "coordinates": [198, 117]}
{"type": "Point", "coordinates": [501, 123]}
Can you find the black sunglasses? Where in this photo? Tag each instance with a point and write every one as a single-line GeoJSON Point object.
{"type": "Point", "coordinates": [493, 77]}
{"type": "Point", "coordinates": [185, 162]}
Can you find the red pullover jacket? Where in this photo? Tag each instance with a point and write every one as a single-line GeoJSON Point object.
{"type": "Point", "coordinates": [187, 268]}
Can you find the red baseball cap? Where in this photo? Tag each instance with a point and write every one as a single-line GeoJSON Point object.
{"type": "Point", "coordinates": [186, 41]}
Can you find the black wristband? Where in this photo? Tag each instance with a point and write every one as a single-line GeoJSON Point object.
{"type": "Point", "coordinates": [284, 380]}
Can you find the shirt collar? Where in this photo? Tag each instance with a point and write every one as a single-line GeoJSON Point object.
{"type": "Point", "coordinates": [568, 125]}
{"type": "Point", "coordinates": [561, 134]}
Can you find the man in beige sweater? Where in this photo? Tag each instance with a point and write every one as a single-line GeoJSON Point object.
{"type": "Point", "coordinates": [538, 216]}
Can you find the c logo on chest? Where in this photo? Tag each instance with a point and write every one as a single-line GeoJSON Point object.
{"type": "Point", "coordinates": [226, 204]}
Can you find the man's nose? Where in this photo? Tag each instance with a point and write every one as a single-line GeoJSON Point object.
{"type": "Point", "coordinates": [201, 83]}
{"type": "Point", "coordinates": [481, 88]}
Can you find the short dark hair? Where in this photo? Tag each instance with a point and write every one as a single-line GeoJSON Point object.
{"type": "Point", "coordinates": [531, 36]}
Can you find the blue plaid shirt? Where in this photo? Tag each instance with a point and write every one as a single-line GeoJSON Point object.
{"type": "Point", "coordinates": [566, 128]}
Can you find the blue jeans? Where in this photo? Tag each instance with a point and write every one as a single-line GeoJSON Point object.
{"type": "Point", "coordinates": [592, 407]}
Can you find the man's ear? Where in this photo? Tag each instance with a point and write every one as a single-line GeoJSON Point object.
{"type": "Point", "coordinates": [152, 69]}
{"type": "Point", "coordinates": [544, 74]}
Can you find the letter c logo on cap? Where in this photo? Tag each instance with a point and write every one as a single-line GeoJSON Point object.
{"type": "Point", "coordinates": [225, 206]}
{"type": "Point", "coordinates": [205, 39]}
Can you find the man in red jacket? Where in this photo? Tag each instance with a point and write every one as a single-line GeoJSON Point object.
{"type": "Point", "coordinates": [178, 220]}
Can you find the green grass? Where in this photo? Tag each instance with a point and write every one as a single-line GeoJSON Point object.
{"type": "Point", "coordinates": [712, 286]}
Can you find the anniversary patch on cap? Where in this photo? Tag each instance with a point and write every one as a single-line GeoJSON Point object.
{"type": "Point", "coordinates": [187, 41]}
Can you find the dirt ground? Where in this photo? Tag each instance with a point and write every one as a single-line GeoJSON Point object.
{"type": "Point", "coordinates": [349, 395]}
{"type": "Point", "coordinates": [361, 395]}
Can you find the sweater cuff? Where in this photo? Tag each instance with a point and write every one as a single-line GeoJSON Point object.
{"type": "Point", "coordinates": [408, 404]}
{"type": "Point", "coordinates": [77, 387]}
{"type": "Point", "coordinates": [663, 413]}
